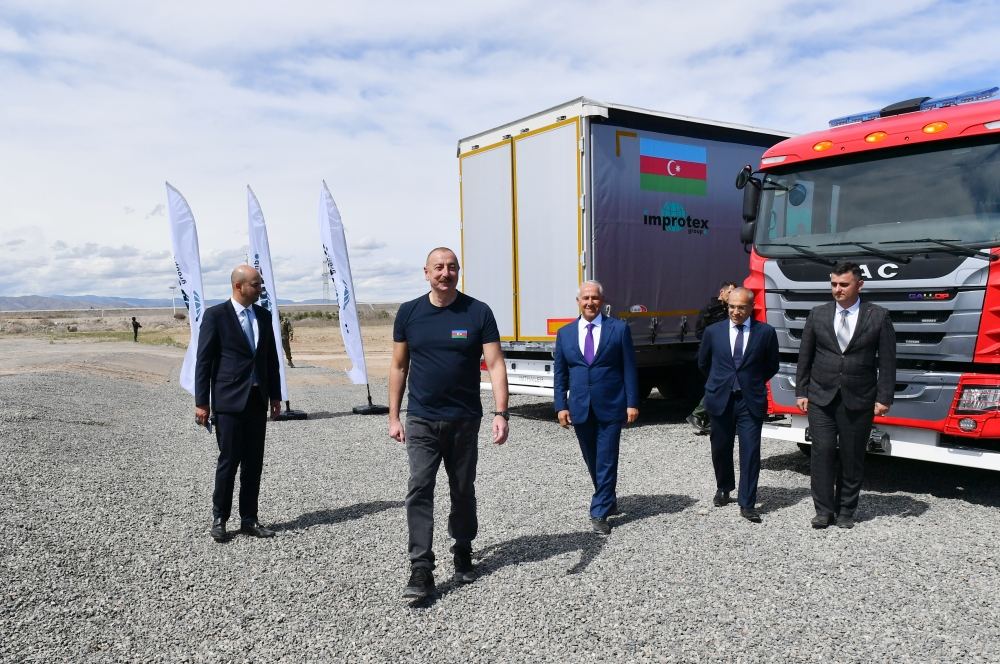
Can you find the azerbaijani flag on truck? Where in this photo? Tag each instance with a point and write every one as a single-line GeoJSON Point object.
{"type": "Point", "coordinates": [672, 167]}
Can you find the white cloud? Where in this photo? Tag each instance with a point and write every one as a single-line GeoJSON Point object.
{"type": "Point", "coordinates": [102, 104]}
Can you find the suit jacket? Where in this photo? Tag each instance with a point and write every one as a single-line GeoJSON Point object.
{"type": "Point", "coordinates": [759, 364]}
{"type": "Point", "coordinates": [864, 373]}
{"type": "Point", "coordinates": [225, 361]}
{"type": "Point", "coordinates": [608, 386]}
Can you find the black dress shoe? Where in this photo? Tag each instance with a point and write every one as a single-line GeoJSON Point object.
{"type": "Point", "coordinates": [821, 520]}
{"type": "Point", "coordinates": [254, 529]}
{"type": "Point", "coordinates": [845, 521]}
{"type": "Point", "coordinates": [750, 514]}
{"type": "Point", "coordinates": [698, 425]}
{"type": "Point", "coordinates": [721, 498]}
{"type": "Point", "coordinates": [218, 530]}
{"type": "Point", "coordinates": [420, 585]}
{"type": "Point", "coordinates": [601, 526]}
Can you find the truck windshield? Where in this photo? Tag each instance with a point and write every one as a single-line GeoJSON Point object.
{"type": "Point", "coordinates": [934, 196]}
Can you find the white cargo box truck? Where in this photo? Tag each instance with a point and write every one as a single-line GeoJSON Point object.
{"type": "Point", "coordinates": [640, 200]}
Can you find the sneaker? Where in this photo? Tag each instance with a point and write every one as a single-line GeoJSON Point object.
{"type": "Point", "coordinates": [420, 585]}
{"type": "Point", "coordinates": [465, 572]}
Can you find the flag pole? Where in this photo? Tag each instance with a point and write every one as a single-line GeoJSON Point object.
{"type": "Point", "coordinates": [370, 409]}
{"type": "Point", "coordinates": [338, 267]}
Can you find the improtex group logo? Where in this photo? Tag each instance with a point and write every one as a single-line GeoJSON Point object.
{"type": "Point", "coordinates": [673, 218]}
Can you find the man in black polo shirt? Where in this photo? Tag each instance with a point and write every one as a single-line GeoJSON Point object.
{"type": "Point", "coordinates": [438, 339]}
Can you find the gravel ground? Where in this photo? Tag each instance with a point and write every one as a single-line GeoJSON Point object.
{"type": "Point", "coordinates": [105, 510]}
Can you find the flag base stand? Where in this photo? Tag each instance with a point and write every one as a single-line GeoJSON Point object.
{"type": "Point", "coordinates": [370, 409]}
{"type": "Point", "coordinates": [289, 414]}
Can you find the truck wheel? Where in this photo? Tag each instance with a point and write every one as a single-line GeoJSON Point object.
{"type": "Point", "coordinates": [805, 449]}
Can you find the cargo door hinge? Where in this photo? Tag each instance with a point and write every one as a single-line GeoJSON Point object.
{"type": "Point", "coordinates": [583, 201]}
{"type": "Point", "coordinates": [581, 145]}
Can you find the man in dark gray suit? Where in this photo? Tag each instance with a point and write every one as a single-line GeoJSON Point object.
{"type": "Point", "coordinates": [846, 376]}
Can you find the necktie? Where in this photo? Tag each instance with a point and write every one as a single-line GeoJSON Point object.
{"type": "Point", "coordinates": [843, 331]}
{"type": "Point", "coordinates": [247, 329]}
{"type": "Point", "coordinates": [588, 345]}
{"type": "Point", "coordinates": [738, 346]}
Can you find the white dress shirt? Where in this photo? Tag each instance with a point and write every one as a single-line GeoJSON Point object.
{"type": "Point", "coordinates": [253, 320]}
{"type": "Point", "coordinates": [733, 328]}
{"type": "Point", "coordinates": [582, 331]}
{"type": "Point", "coordinates": [852, 317]}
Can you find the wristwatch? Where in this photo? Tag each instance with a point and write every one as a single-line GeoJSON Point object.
{"type": "Point", "coordinates": [503, 413]}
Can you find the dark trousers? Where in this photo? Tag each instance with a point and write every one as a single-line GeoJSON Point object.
{"type": "Point", "coordinates": [737, 420]}
{"type": "Point", "coordinates": [241, 446]}
{"type": "Point", "coordinates": [599, 443]}
{"type": "Point", "coordinates": [428, 443]}
{"type": "Point", "coordinates": [837, 464]}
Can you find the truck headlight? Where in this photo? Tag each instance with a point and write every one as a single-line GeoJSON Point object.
{"type": "Point", "coordinates": [978, 399]}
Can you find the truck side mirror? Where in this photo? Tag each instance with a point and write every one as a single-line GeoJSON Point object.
{"type": "Point", "coordinates": [744, 176]}
{"type": "Point", "coordinates": [751, 199]}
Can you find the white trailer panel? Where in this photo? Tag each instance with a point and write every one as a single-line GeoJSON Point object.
{"type": "Point", "coordinates": [548, 227]}
{"type": "Point", "coordinates": [487, 233]}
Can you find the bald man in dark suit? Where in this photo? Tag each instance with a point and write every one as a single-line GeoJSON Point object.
{"type": "Point", "coordinates": [236, 376]}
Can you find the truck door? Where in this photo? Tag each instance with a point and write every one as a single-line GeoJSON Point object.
{"type": "Point", "coordinates": [522, 229]}
{"type": "Point", "coordinates": [488, 232]}
{"type": "Point", "coordinates": [548, 228]}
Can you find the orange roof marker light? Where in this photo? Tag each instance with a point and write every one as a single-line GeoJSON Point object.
{"type": "Point", "coordinates": [917, 104]}
{"type": "Point", "coordinates": [822, 146]}
{"type": "Point", "coordinates": [875, 137]}
{"type": "Point", "coordinates": [935, 127]}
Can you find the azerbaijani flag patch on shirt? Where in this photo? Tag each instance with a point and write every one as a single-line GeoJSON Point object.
{"type": "Point", "coordinates": [459, 334]}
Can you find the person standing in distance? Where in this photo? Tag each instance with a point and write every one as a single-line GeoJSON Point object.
{"type": "Point", "coordinates": [738, 357]}
{"type": "Point", "coordinates": [438, 339]}
{"type": "Point", "coordinates": [236, 375]}
{"type": "Point", "coordinates": [595, 364]}
{"type": "Point", "coordinates": [846, 376]}
{"type": "Point", "coordinates": [713, 312]}
{"type": "Point", "coordinates": [287, 334]}
{"type": "Point", "coordinates": [135, 329]}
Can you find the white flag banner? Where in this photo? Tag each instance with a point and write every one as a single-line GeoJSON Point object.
{"type": "Point", "coordinates": [187, 260]}
{"type": "Point", "coordinates": [260, 259]}
{"type": "Point", "coordinates": [331, 229]}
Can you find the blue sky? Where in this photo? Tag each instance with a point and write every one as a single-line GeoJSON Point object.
{"type": "Point", "coordinates": [104, 101]}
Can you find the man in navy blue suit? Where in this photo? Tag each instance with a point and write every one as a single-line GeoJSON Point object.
{"type": "Point", "coordinates": [738, 357]}
{"type": "Point", "coordinates": [595, 363]}
{"type": "Point", "coordinates": [236, 377]}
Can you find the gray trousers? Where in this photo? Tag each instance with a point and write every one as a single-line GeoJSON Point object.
{"type": "Point", "coordinates": [428, 443]}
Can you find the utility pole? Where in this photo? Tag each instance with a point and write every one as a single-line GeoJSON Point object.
{"type": "Point", "coordinates": [173, 302]}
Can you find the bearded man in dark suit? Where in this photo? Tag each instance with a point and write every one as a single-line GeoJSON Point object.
{"type": "Point", "coordinates": [846, 376]}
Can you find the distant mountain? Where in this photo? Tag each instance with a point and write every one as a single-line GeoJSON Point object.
{"type": "Point", "coordinates": [62, 302]}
